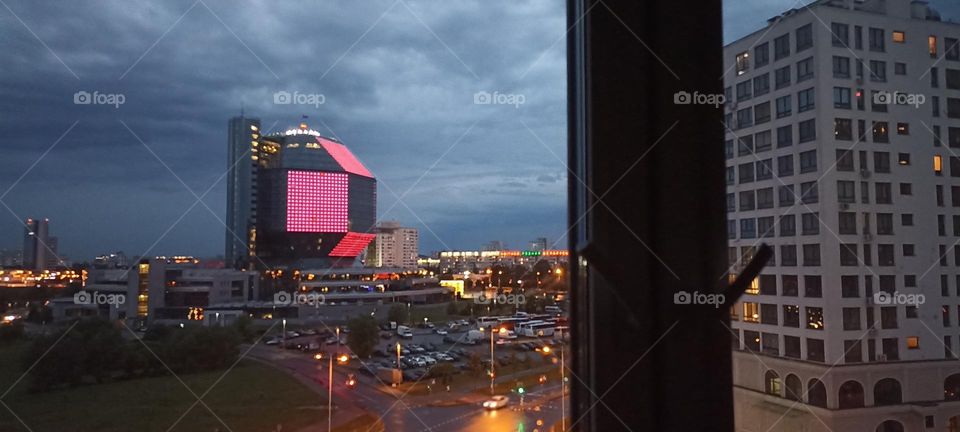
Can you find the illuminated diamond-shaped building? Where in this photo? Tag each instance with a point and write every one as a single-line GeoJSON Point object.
{"type": "Point", "coordinates": [311, 202]}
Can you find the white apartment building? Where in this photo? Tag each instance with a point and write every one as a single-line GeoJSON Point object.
{"type": "Point", "coordinates": [842, 154]}
{"type": "Point", "coordinates": [396, 246]}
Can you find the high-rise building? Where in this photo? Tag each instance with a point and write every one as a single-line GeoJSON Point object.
{"type": "Point", "coordinates": [395, 246]}
{"type": "Point", "coordinates": [539, 244]}
{"type": "Point", "coordinates": [39, 249]}
{"type": "Point", "coordinates": [842, 117]}
{"type": "Point", "coordinates": [311, 202]}
{"type": "Point", "coordinates": [243, 139]}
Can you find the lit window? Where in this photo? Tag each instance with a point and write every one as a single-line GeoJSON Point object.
{"type": "Point", "coordinates": [938, 164]}
{"type": "Point", "coordinates": [903, 128]}
{"type": "Point", "coordinates": [932, 43]}
{"type": "Point", "coordinates": [754, 286]}
{"type": "Point", "coordinates": [899, 37]}
{"type": "Point", "coordinates": [743, 62]}
{"type": "Point", "coordinates": [751, 312]}
{"type": "Point", "coordinates": [913, 342]}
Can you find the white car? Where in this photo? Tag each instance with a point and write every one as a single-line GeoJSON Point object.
{"type": "Point", "coordinates": [496, 402]}
{"type": "Point", "coordinates": [441, 332]}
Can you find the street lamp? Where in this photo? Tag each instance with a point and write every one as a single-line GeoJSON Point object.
{"type": "Point", "coordinates": [398, 355]}
{"type": "Point", "coordinates": [330, 386]}
{"type": "Point", "coordinates": [284, 333]}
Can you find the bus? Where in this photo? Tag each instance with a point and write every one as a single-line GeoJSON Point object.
{"type": "Point", "coordinates": [510, 323]}
{"type": "Point", "coordinates": [487, 321]}
{"type": "Point", "coordinates": [545, 329]}
{"type": "Point", "coordinates": [524, 328]}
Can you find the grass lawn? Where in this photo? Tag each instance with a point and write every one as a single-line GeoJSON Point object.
{"type": "Point", "coordinates": [251, 397]}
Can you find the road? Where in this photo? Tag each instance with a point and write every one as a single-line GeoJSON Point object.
{"type": "Point", "coordinates": [438, 412]}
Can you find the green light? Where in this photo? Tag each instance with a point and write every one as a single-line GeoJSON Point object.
{"type": "Point", "coordinates": [520, 390]}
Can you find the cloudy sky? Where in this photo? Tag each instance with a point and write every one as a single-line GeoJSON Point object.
{"type": "Point", "coordinates": [398, 79]}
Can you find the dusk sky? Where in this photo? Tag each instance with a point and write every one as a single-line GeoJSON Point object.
{"type": "Point", "coordinates": [398, 80]}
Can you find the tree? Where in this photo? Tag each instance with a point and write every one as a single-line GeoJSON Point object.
{"type": "Point", "coordinates": [398, 313]}
{"type": "Point", "coordinates": [475, 364]}
{"type": "Point", "coordinates": [364, 335]}
{"type": "Point", "coordinates": [443, 373]}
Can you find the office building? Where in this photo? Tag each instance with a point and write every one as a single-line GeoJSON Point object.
{"type": "Point", "coordinates": [842, 118]}
{"type": "Point", "coordinates": [395, 246]}
{"type": "Point", "coordinates": [243, 140]}
{"type": "Point", "coordinates": [307, 200]}
{"type": "Point", "coordinates": [39, 248]}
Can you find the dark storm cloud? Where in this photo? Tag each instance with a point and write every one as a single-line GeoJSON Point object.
{"type": "Point", "coordinates": [398, 80]}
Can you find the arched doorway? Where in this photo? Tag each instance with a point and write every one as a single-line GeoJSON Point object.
{"type": "Point", "coordinates": [850, 395]}
{"type": "Point", "coordinates": [951, 388]}
{"type": "Point", "coordinates": [794, 388]}
{"type": "Point", "coordinates": [887, 392]}
{"type": "Point", "coordinates": [817, 393]}
{"type": "Point", "coordinates": [772, 384]}
{"type": "Point", "coordinates": [890, 426]}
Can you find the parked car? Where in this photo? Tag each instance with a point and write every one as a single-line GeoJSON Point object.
{"type": "Point", "coordinates": [440, 331]}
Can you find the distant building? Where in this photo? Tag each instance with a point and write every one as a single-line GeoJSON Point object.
{"type": "Point", "coordinates": [39, 249]}
{"type": "Point", "coordinates": [11, 258]}
{"type": "Point", "coordinates": [539, 244]}
{"type": "Point", "coordinates": [296, 199]}
{"type": "Point", "coordinates": [478, 261]}
{"type": "Point", "coordinates": [113, 260]}
{"type": "Point", "coordinates": [494, 245]}
{"type": "Point", "coordinates": [395, 246]}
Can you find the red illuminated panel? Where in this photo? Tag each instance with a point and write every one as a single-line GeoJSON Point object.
{"type": "Point", "coordinates": [316, 201]}
{"type": "Point", "coordinates": [352, 244]}
{"type": "Point", "coordinates": [347, 160]}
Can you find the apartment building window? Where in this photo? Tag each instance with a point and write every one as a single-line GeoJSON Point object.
{"type": "Point", "coordinates": [848, 255]}
{"type": "Point", "coordinates": [846, 191]}
{"type": "Point", "coordinates": [785, 135]}
{"type": "Point", "coordinates": [731, 175]}
{"type": "Point", "coordinates": [781, 77]}
{"type": "Point", "coordinates": [748, 228]}
{"type": "Point", "coordinates": [765, 169]}
{"type": "Point", "coordinates": [941, 225]}
{"type": "Point", "coordinates": [745, 145]}
{"type": "Point", "coordinates": [815, 353]}
{"type": "Point", "coordinates": [764, 198]}
{"type": "Point", "coordinates": [744, 91]}
{"type": "Point", "coordinates": [731, 202]}
{"type": "Point", "coordinates": [746, 173]}
{"type": "Point", "coordinates": [784, 106]}
{"type": "Point", "coordinates": [751, 339]}
{"type": "Point", "coordinates": [731, 229]}
{"type": "Point", "coordinates": [785, 166]}
{"type": "Point", "coordinates": [761, 113]}
{"type": "Point", "coordinates": [906, 189]}
{"type": "Point", "coordinates": [805, 69]}
{"type": "Point", "coordinates": [808, 161]}
{"type": "Point", "coordinates": [876, 40]}
{"type": "Point", "coordinates": [944, 286]}
{"type": "Point", "coordinates": [935, 106]}
{"type": "Point", "coordinates": [848, 223]}
{"type": "Point", "coordinates": [845, 160]}
{"type": "Point", "coordinates": [850, 288]}
{"type": "Point", "coordinates": [906, 219]}
{"type": "Point", "coordinates": [932, 46]}
{"type": "Point", "coordinates": [951, 49]}
{"type": "Point", "coordinates": [888, 284]}
{"type": "Point", "coordinates": [761, 84]}
{"type": "Point", "coordinates": [878, 71]}
{"type": "Point", "coordinates": [899, 68]}
{"type": "Point", "coordinates": [814, 318]}
{"type": "Point", "coordinates": [841, 34]}
{"type": "Point", "coordinates": [911, 312]}
{"type": "Point", "coordinates": [861, 103]}
{"type": "Point", "coordinates": [867, 256]}
{"type": "Point", "coordinates": [953, 108]}
{"type": "Point", "coordinates": [851, 318]}
{"type": "Point", "coordinates": [791, 316]}
{"type": "Point", "coordinates": [858, 37]}
{"type": "Point", "coordinates": [841, 67]}
{"type": "Point", "coordinates": [881, 132]}
{"type": "Point", "coordinates": [788, 227]}
{"type": "Point", "coordinates": [785, 195]}
{"type": "Point", "coordinates": [747, 201]}
{"type": "Point", "coordinates": [781, 47]}
{"type": "Point", "coordinates": [745, 118]}
{"type": "Point", "coordinates": [877, 104]}
{"type": "Point", "coordinates": [934, 77]}
{"type": "Point", "coordinates": [728, 149]}
{"type": "Point", "coordinates": [883, 194]}
{"type": "Point", "coordinates": [888, 317]}
{"type": "Point", "coordinates": [789, 284]}
{"type": "Point", "coordinates": [765, 227]}
{"type": "Point", "coordinates": [864, 189]}
{"type": "Point", "coordinates": [751, 313]}
{"type": "Point", "coordinates": [885, 255]}
{"type": "Point", "coordinates": [953, 137]}
{"type": "Point", "coordinates": [809, 193]}
{"type": "Point", "coordinates": [843, 129]}
{"type": "Point", "coordinates": [728, 120]}
{"type": "Point", "coordinates": [761, 55]}
{"type": "Point", "coordinates": [899, 37]}
{"type": "Point", "coordinates": [947, 353]}
{"type": "Point", "coordinates": [768, 314]}
{"type": "Point", "coordinates": [937, 142]}
{"type": "Point", "coordinates": [788, 258]}
{"type": "Point", "coordinates": [903, 128]}
{"type": "Point", "coordinates": [884, 223]}
{"type": "Point", "coordinates": [743, 63]}
{"type": "Point", "coordinates": [852, 353]}
{"type": "Point", "coordinates": [805, 100]}
{"type": "Point", "coordinates": [943, 256]}
{"type": "Point", "coordinates": [771, 346]}
{"type": "Point", "coordinates": [910, 281]}
{"type": "Point", "coordinates": [891, 351]}
{"type": "Point", "coordinates": [841, 97]}
{"type": "Point", "coordinates": [810, 224]}
{"type": "Point", "coordinates": [807, 130]}
{"type": "Point", "coordinates": [953, 79]}
{"type": "Point", "coordinates": [811, 257]}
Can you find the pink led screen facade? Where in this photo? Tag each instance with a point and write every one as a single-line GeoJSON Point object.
{"type": "Point", "coordinates": [347, 160]}
{"type": "Point", "coordinates": [317, 202]}
{"type": "Point", "coordinates": [352, 244]}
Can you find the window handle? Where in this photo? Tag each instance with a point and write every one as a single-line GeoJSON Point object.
{"type": "Point", "coordinates": [749, 273]}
